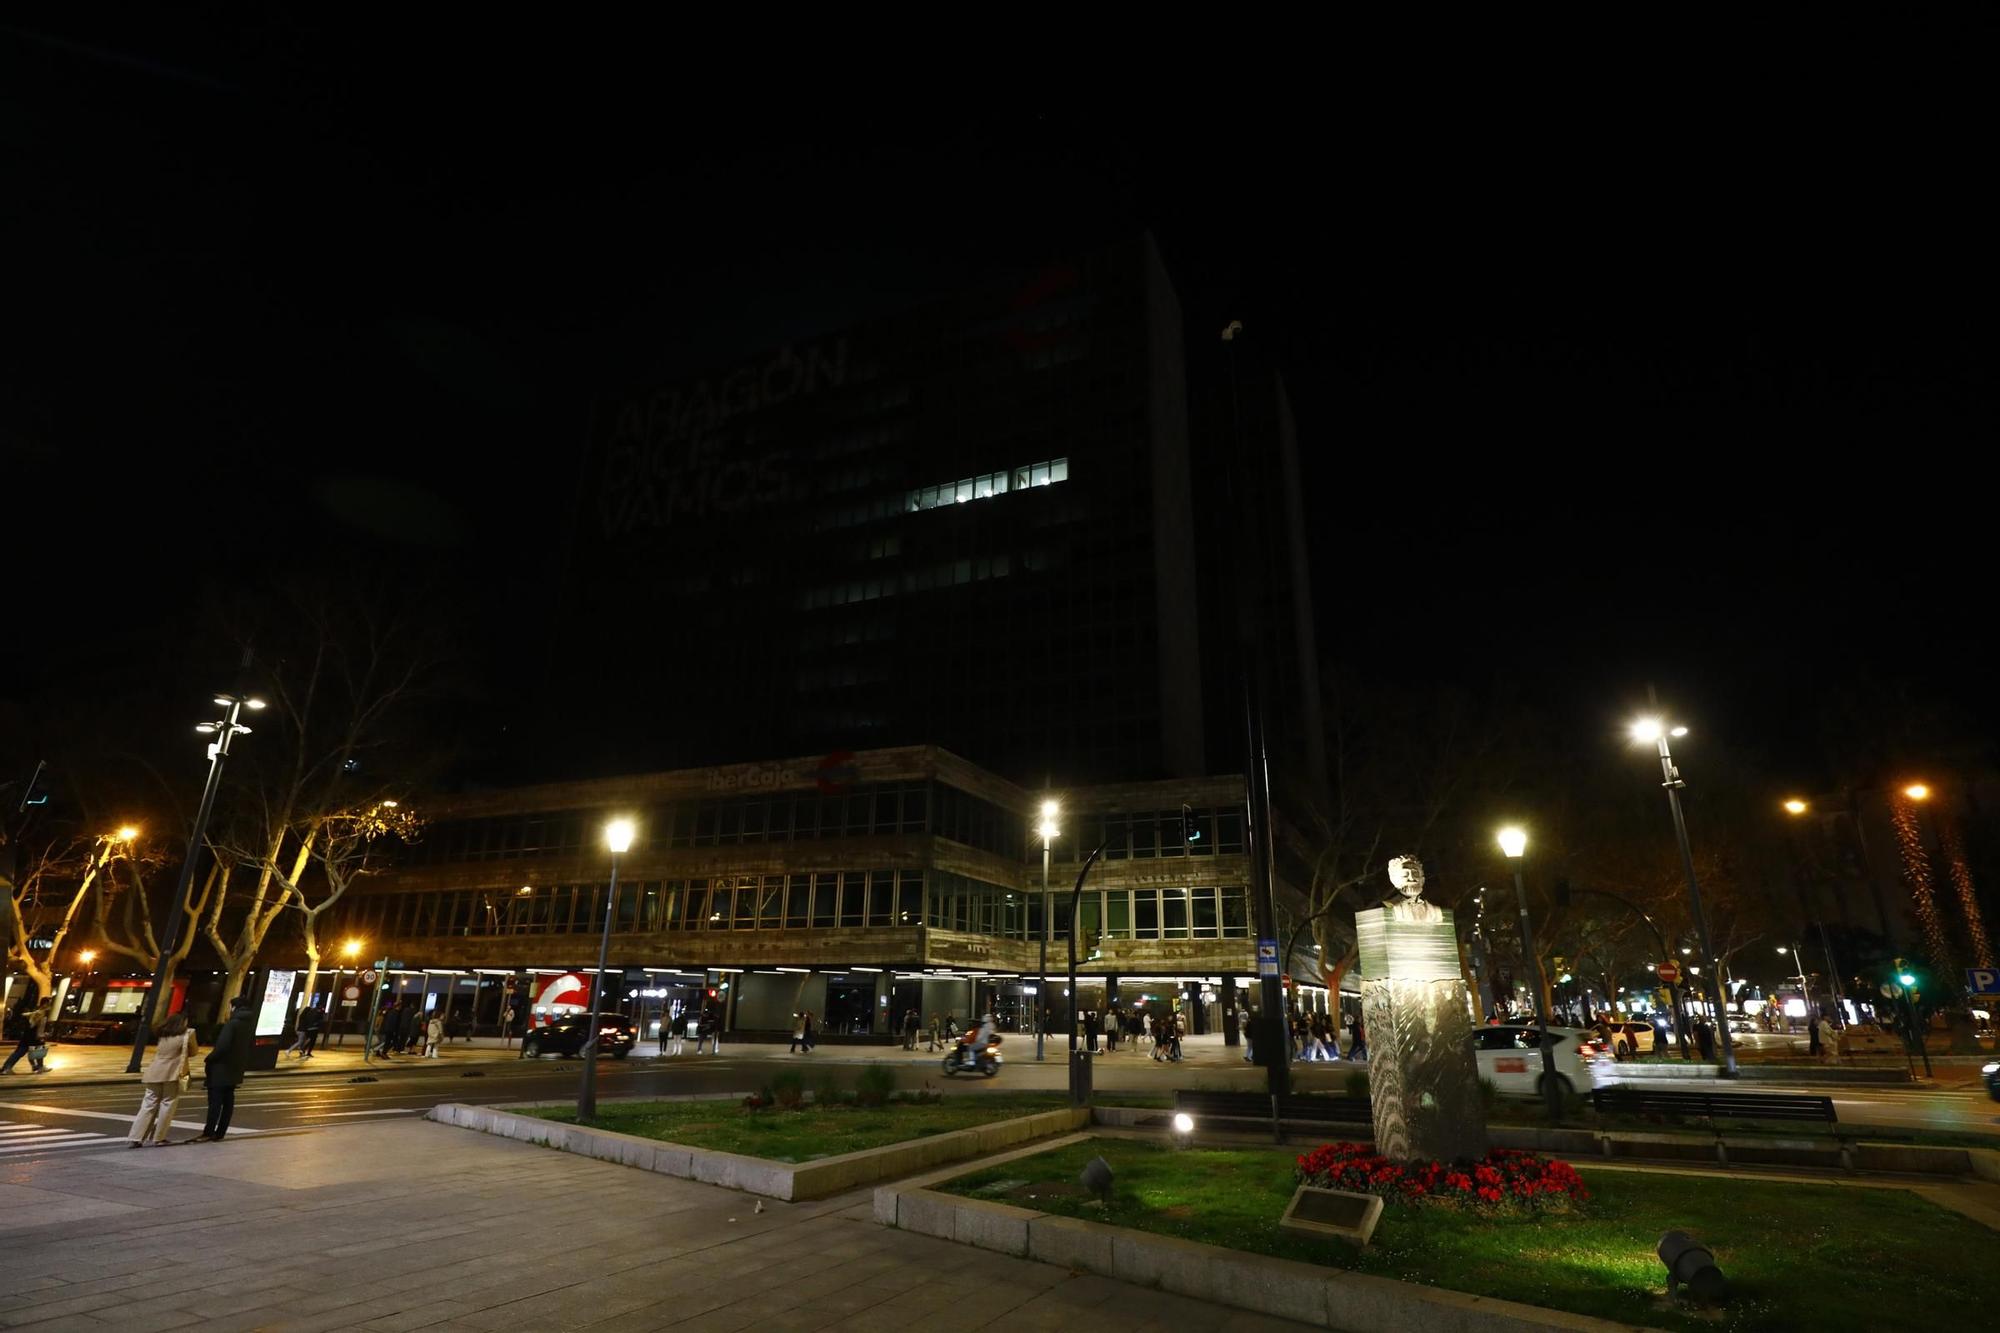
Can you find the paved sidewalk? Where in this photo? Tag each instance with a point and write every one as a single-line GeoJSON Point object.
{"type": "Point", "coordinates": [410, 1225]}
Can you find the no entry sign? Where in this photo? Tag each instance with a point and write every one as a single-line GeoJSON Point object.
{"type": "Point", "coordinates": [1670, 972]}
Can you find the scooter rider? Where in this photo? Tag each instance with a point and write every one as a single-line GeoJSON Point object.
{"type": "Point", "coordinates": [973, 1044]}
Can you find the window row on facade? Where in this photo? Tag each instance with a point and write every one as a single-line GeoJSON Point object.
{"type": "Point", "coordinates": [815, 900]}
{"type": "Point", "coordinates": [988, 484]}
{"type": "Point", "coordinates": [871, 809]}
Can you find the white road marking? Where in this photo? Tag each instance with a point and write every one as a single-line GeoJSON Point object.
{"type": "Point", "coordinates": [108, 1115]}
{"type": "Point", "coordinates": [386, 1110]}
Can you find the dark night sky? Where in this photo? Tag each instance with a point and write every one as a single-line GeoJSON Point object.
{"type": "Point", "coordinates": [1591, 395]}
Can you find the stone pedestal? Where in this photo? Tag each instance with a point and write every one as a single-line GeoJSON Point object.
{"type": "Point", "coordinates": [1422, 1076]}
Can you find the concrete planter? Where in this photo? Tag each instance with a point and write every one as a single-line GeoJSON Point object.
{"type": "Point", "coordinates": [1282, 1288]}
{"type": "Point", "coordinates": [756, 1175]}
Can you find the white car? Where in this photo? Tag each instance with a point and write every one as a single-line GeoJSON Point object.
{"type": "Point", "coordinates": [1510, 1055]}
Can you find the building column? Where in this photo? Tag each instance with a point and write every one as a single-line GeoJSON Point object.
{"type": "Point", "coordinates": [1232, 1021]}
{"type": "Point", "coordinates": [881, 1020]}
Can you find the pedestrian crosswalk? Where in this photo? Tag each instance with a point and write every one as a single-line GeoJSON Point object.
{"type": "Point", "coordinates": [17, 1139]}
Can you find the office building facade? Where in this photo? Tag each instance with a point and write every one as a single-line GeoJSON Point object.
{"type": "Point", "coordinates": [856, 886]}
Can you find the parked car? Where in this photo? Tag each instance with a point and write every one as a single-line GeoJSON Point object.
{"type": "Point", "coordinates": [1510, 1055]}
{"type": "Point", "coordinates": [565, 1036]}
{"type": "Point", "coordinates": [1630, 1039]}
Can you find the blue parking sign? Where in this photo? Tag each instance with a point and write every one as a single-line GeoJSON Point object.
{"type": "Point", "coordinates": [1983, 980]}
{"type": "Point", "coordinates": [1267, 958]}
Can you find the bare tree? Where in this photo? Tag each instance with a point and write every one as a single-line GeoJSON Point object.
{"type": "Point", "coordinates": [331, 753]}
{"type": "Point", "coordinates": [43, 901]}
{"type": "Point", "coordinates": [122, 914]}
{"type": "Point", "coordinates": [348, 849]}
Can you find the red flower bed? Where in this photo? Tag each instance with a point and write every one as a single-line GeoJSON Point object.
{"type": "Point", "coordinates": [1506, 1179]}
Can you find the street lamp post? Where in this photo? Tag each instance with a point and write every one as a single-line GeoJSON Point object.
{"type": "Point", "coordinates": [617, 838]}
{"type": "Point", "coordinates": [225, 729]}
{"type": "Point", "coordinates": [1652, 729]}
{"type": "Point", "coordinates": [348, 951]}
{"type": "Point", "coordinates": [1048, 830]}
{"type": "Point", "coordinates": [1514, 842]}
{"type": "Point", "coordinates": [1079, 1063]}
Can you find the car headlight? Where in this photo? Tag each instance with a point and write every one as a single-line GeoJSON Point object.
{"type": "Point", "coordinates": [1990, 1067]}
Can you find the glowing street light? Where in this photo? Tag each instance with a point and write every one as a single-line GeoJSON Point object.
{"type": "Point", "coordinates": [1051, 812]}
{"type": "Point", "coordinates": [126, 832]}
{"type": "Point", "coordinates": [86, 956]}
{"type": "Point", "coordinates": [1657, 731]}
{"type": "Point", "coordinates": [1917, 791]}
{"type": "Point", "coordinates": [1796, 807]}
{"type": "Point", "coordinates": [618, 836]}
{"type": "Point", "coordinates": [1514, 842]}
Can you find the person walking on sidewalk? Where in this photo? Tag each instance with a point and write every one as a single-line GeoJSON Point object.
{"type": "Point", "coordinates": [910, 1024]}
{"type": "Point", "coordinates": [223, 1070]}
{"type": "Point", "coordinates": [311, 1020]}
{"type": "Point", "coordinates": [1090, 1025]}
{"type": "Point", "coordinates": [1358, 1040]}
{"type": "Point", "coordinates": [674, 1034]}
{"type": "Point", "coordinates": [30, 1028]}
{"type": "Point", "coordinates": [164, 1078]}
{"type": "Point", "coordinates": [801, 1025]}
{"type": "Point", "coordinates": [433, 1036]}
{"type": "Point", "coordinates": [936, 1031]}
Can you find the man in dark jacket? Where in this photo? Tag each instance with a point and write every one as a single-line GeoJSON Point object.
{"type": "Point", "coordinates": [311, 1020]}
{"type": "Point", "coordinates": [391, 1034]}
{"type": "Point", "coordinates": [223, 1071]}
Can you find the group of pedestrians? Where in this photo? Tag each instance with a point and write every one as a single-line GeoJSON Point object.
{"type": "Point", "coordinates": [703, 1026]}
{"type": "Point", "coordinates": [401, 1029]}
{"type": "Point", "coordinates": [1312, 1037]}
{"type": "Point", "coordinates": [165, 1077]}
{"type": "Point", "coordinates": [802, 1032]}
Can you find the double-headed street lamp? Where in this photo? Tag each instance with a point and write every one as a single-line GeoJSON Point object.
{"type": "Point", "coordinates": [1652, 729]}
{"type": "Point", "coordinates": [1514, 842]}
{"type": "Point", "coordinates": [1047, 828]}
{"type": "Point", "coordinates": [225, 729]}
{"type": "Point", "coordinates": [618, 835]}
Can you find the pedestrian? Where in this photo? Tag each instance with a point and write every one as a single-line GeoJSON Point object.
{"type": "Point", "coordinates": [1113, 1021]}
{"type": "Point", "coordinates": [801, 1025]}
{"type": "Point", "coordinates": [933, 1044]}
{"type": "Point", "coordinates": [30, 1029]}
{"type": "Point", "coordinates": [1159, 1036]}
{"type": "Point", "coordinates": [414, 1028]}
{"type": "Point", "coordinates": [675, 1033]}
{"type": "Point", "coordinates": [1090, 1026]}
{"type": "Point", "coordinates": [1704, 1040]}
{"type": "Point", "coordinates": [164, 1078]}
{"type": "Point", "coordinates": [1829, 1039]}
{"type": "Point", "coordinates": [390, 1038]}
{"type": "Point", "coordinates": [433, 1035]}
{"type": "Point", "coordinates": [1812, 1033]}
{"type": "Point", "coordinates": [1357, 1040]}
{"type": "Point", "coordinates": [223, 1070]}
{"type": "Point", "coordinates": [311, 1021]}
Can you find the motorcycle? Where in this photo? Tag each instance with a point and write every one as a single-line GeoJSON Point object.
{"type": "Point", "coordinates": [962, 1058]}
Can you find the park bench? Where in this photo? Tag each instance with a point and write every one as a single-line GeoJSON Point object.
{"type": "Point", "coordinates": [1714, 1106]}
{"type": "Point", "coordinates": [1277, 1112]}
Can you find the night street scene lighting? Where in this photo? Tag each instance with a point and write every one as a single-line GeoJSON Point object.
{"type": "Point", "coordinates": [716, 607]}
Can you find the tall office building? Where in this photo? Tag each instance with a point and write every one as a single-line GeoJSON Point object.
{"type": "Point", "coordinates": [971, 525]}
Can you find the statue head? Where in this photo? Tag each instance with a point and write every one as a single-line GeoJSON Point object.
{"type": "Point", "coordinates": [1407, 874]}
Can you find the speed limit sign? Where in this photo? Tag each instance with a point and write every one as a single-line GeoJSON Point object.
{"type": "Point", "coordinates": [368, 977]}
{"type": "Point", "coordinates": [351, 993]}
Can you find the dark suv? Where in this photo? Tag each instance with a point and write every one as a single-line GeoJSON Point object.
{"type": "Point", "coordinates": [565, 1036]}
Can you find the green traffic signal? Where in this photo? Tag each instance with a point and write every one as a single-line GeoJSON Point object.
{"type": "Point", "coordinates": [1907, 978]}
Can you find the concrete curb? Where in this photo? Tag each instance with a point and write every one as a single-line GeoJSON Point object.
{"type": "Point", "coordinates": [790, 1181]}
{"type": "Point", "coordinates": [1282, 1288]}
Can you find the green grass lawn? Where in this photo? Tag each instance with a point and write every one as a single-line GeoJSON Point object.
{"type": "Point", "coordinates": [1816, 1257]}
{"type": "Point", "coordinates": [808, 1133]}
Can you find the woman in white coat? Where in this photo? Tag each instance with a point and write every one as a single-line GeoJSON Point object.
{"type": "Point", "coordinates": [166, 1078]}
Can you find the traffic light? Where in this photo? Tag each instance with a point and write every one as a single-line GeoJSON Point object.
{"type": "Point", "coordinates": [1905, 975]}
{"type": "Point", "coordinates": [1190, 829]}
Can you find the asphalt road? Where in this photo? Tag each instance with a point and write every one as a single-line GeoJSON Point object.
{"type": "Point", "coordinates": [40, 1120]}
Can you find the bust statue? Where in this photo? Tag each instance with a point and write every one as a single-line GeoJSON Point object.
{"type": "Point", "coordinates": [1407, 874]}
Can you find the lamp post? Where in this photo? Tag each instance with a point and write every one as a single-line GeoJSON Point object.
{"type": "Point", "coordinates": [1652, 729]}
{"type": "Point", "coordinates": [1797, 808]}
{"type": "Point", "coordinates": [225, 729]}
{"type": "Point", "coordinates": [349, 952]}
{"type": "Point", "coordinates": [1514, 842]}
{"type": "Point", "coordinates": [1048, 830]}
{"type": "Point", "coordinates": [618, 839]}
{"type": "Point", "coordinates": [1079, 1062]}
